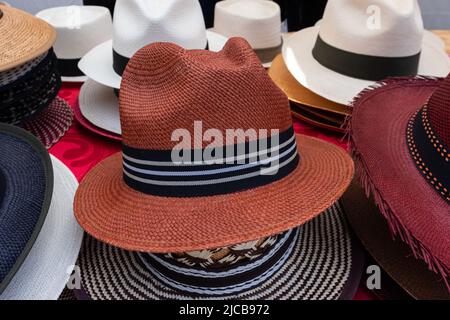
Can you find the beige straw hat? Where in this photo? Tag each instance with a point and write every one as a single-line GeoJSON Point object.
{"type": "Point", "coordinates": [23, 37]}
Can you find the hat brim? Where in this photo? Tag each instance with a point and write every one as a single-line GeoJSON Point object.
{"type": "Point", "coordinates": [100, 106]}
{"type": "Point", "coordinates": [97, 64]}
{"type": "Point", "coordinates": [52, 123]}
{"type": "Point", "coordinates": [415, 211]}
{"type": "Point", "coordinates": [113, 212]}
{"type": "Point", "coordinates": [47, 268]}
{"type": "Point", "coordinates": [315, 120]}
{"type": "Point", "coordinates": [393, 256]}
{"type": "Point", "coordinates": [298, 93]}
{"type": "Point", "coordinates": [86, 124]}
{"type": "Point", "coordinates": [334, 264]}
{"type": "Point", "coordinates": [297, 54]}
{"type": "Point", "coordinates": [74, 79]}
{"type": "Point", "coordinates": [25, 199]}
{"type": "Point", "coordinates": [27, 37]}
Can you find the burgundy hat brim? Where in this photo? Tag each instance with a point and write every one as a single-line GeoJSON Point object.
{"type": "Point", "coordinates": [414, 210]}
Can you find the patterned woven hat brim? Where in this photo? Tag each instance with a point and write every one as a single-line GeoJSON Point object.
{"type": "Point", "coordinates": [34, 94]}
{"type": "Point", "coordinates": [393, 256]}
{"type": "Point", "coordinates": [52, 123]}
{"type": "Point", "coordinates": [26, 185]}
{"type": "Point", "coordinates": [12, 75]}
{"type": "Point", "coordinates": [23, 37]}
{"type": "Point", "coordinates": [323, 264]}
{"type": "Point", "coordinates": [414, 210]}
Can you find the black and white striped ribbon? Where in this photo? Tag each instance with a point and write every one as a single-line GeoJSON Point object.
{"type": "Point", "coordinates": [155, 172]}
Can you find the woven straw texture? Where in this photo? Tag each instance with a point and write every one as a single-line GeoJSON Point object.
{"type": "Point", "coordinates": [321, 267]}
{"type": "Point", "coordinates": [166, 88]}
{"type": "Point", "coordinates": [414, 210]}
{"type": "Point", "coordinates": [52, 123]}
{"type": "Point", "coordinates": [23, 37]}
{"type": "Point", "coordinates": [439, 113]}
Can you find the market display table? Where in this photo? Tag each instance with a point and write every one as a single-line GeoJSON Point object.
{"type": "Point", "coordinates": [81, 150]}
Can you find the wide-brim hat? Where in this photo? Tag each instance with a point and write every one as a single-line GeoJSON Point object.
{"type": "Point", "coordinates": [402, 169]}
{"type": "Point", "coordinates": [297, 54]}
{"type": "Point", "coordinates": [26, 186]}
{"type": "Point", "coordinates": [184, 217]}
{"type": "Point", "coordinates": [79, 29]}
{"type": "Point", "coordinates": [23, 37]}
{"type": "Point", "coordinates": [336, 43]}
{"type": "Point", "coordinates": [299, 94]}
{"type": "Point", "coordinates": [86, 124]}
{"type": "Point", "coordinates": [99, 104]}
{"type": "Point", "coordinates": [393, 256]}
{"type": "Point", "coordinates": [52, 123]}
{"type": "Point", "coordinates": [97, 64]}
{"type": "Point", "coordinates": [315, 270]}
{"type": "Point", "coordinates": [52, 258]}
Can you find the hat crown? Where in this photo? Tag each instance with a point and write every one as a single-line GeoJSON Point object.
{"type": "Point", "coordinates": [258, 21]}
{"type": "Point", "coordinates": [385, 28]}
{"type": "Point", "coordinates": [79, 28]}
{"type": "Point", "coordinates": [138, 23]}
{"type": "Point", "coordinates": [166, 88]}
{"type": "Point", "coordinates": [439, 112]}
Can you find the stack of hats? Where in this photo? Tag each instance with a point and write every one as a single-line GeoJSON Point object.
{"type": "Point", "coordinates": [29, 80]}
{"type": "Point", "coordinates": [225, 220]}
{"type": "Point", "coordinates": [135, 25]}
{"type": "Point", "coordinates": [257, 21]}
{"type": "Point", "coordinates": [39, 236]}
{"type": "Point", "coordinates": [323, 68]}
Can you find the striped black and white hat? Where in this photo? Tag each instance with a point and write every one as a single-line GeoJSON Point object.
{"type": "Point", "coordinates": [317, 261]}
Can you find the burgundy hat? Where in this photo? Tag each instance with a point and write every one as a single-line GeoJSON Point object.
{"type": "Point", "coordinates": [400, 136]}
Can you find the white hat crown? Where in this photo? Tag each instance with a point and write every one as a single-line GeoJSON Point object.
{"type": "Point", "coordinates": [258, 21]}
{"type": "Point", "coordinates": [138, 23]}
{"type": "Point", "coordinates": [79, 28]}
{"type": "Point", "coordinates": [388, 28]}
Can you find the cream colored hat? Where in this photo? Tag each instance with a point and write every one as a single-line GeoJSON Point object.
{"type": "Point", "coordinates": [359, 42]}
{"type": "Point", "coordinates": [258, 21]}
{"type": "Point", "coordinates": [79, 29]}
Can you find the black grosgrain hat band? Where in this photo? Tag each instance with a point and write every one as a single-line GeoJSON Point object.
{"type": "Point", "coordinates": [69, 68]}
{"type": "Point", "coordinates": [251, 164]}
{"type": "Point", "coordinates": [431, 156]}
{"type": "Point", "coordinates": [365, 67]}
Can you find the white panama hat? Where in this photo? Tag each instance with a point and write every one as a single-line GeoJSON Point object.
{"type": "Point", "coordinates": [257, 21]}
{"type": "Point", "coordinates": [79, 29]}
{"type": "Point", "coordinates": [45, 271]}
{"type": "Point", "coordinates": [138, 23]}
{"type": "Point", "coordinates": [359, 42]}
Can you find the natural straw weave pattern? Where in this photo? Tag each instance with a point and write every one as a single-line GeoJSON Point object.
{"type": "Point", "coordinates": [23, 37]}
{"type": "Point", "coordinates": [165, 88]}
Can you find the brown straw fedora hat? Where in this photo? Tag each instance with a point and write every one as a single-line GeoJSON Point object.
{"type": "Point", "coordinates": [318, 118]}
{"type": "Point", "coordinates": [400, 137]}
{"type": "Point", "coordinates": [23, 37]}
{"type": "Point", "coordinates": [144, 199]}
{"type": "Point", "coordinates": [299, 94]}
{"type": "Point", "coordinates": [394, 257]}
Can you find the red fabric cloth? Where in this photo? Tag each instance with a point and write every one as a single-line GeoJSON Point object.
{"type": "Point", "coordinates": [81, 150]}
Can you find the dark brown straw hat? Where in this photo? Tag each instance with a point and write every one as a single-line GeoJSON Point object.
{"type": "Point", "coordinates": [394, 256]}
{"type": "Point", "coordinates": [144, 200]}
{"type": "Point", "coordinates": [23, 37]}
{"type": "Point", "coordinates": [400, 137]}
